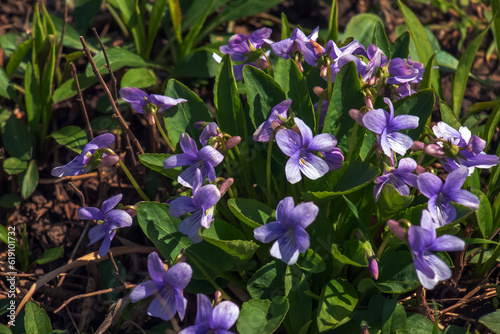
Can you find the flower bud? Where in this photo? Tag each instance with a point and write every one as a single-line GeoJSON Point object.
{"type": "Point", "coordinates": [373, 267]}
{"type": "Point", "coordinates": [109, 160]}
{"type": "Point", "coordinates": [225, 185]}
{"type": "Point", "coordinates": [218, 297]}
{"type": "Point", "coordinates": [151, 119]}
{"type": "Point", "coordinates": [232, 142]}
{"type": "Point", "coordinates": [318, 90]}
{"type": "Point", "coordinates": [398, 230]}
{"type": "Point", "coordinates": [368, 102]}
{"type": "Point", "coordinates": [417, 146]}
{"type": "Point", "coordinates": [357, 115]}
{"type": "Point", "coordinates": [420, 170]}
{"type": "Point", "coordinates": [199, 125]}
{"type": "Point", "coordinates": [300, 67]}
{"type": "Point", "coordinates": [435, 150]}
{"type": "Point", "coordinates": [262, 64]}
{"type": "Point", "coordinates": [372, 81]}
{"type": "Point", "coordinates": [323, 72]}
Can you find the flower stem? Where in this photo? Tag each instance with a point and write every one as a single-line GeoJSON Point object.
{"type": "Point", "coordinates": [163, 134]}
{"type": "Point", "coordinates": [270, 68]}
{"type": "Point", "coordinates": [318, 114]}
{"type": "Point", "coordinates": [352, 142]}
{"type": "Point", "coordinates": [268, 167]}
{"type": "Point", "coordinates": [207, 275]}
{"type": "Point", "coordinates": [329, 77]}
{"type": "Point", "coordinates": [250, 189]}
{"type": "Point", "coordinates": [383, 245]}
{"type": "Point", "coordinates": [134, 182]}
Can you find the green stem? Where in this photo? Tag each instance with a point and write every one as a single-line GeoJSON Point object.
{"type": "Point", "coordinates": [318, 113]}
{"type": "Point", "coordinates": [163, 134]}
{"type": "Point", "coordinates": [329, 77]}
{"type": "Point", "coordinates": [250, 189]}
{"type": "Point", "coordinates": [134, 182]}
{"type": "Point", "coordinates": [383, 245]}
{"type": "Point", "coordinates": [490, 262]}
{"type": "Point", "coordinates": [207, 276]}
{"type": "Point", "coordinates": [352, 142]}
{"type": "Point", "coordinates": [268, 167]}
{"type": "Point", "coordinates": [270, 68]}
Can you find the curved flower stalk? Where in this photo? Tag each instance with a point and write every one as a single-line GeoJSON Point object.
{"type": "Point", "coordinates": [201, 206]}
{"type": "Point", "coordinates": [203, 160]}
{"type": "Point", "coordinates": [167, 287]}
{"type": "Point", "coordinates": [422, 241]}
{"type": "Point", "coordinates": [399, 177]}
{"type": "Point", "coordinates": [288, 229]}
{"type": "Point", "coordinates": [278, 114]}
{"type": "Point", "coordinates": [300, 149]}
{"type": "Point", "coordinates": [216, 320]}
{"type": "Point", "coordinates": [441, 195]}
{"type": "Point", "coordinates": [469, 151]}
{"type": "Point", "coordinates": [110, 220]}
{"type": "Point", "coordinates": [90, 158]}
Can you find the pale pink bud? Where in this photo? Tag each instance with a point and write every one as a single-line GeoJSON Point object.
{"type": "Point", "coordinates": [109, 160]}
{"type": "Point", "coordinates": [262, 64]}
{"type": "Point", "coordinates": [435, 150]}
{"type": "Point", "coordinates": [225, 185]}
{"type": "Point", "coordinates": [372, 81]}
{"type": "Point", "coordinates": [151, 119]}
{"type": "Point", "coordinates": [368, 102]}
{"type": "Point", "coordinates": [420, 170]}
{"type": "Point", "coordinates": [357, 115]}
{"type": "Point", "coordinates": [373, 267]}
{"type": "Point", "coordinates": [398, 230]}
{"type": "Point", "coordinates": [218, 297]}
{"type": "Point", "coordinates": [318, 90]}
{"type": "Point", "coordinates": [300, 67]}
{"type": "Point", "coordinates": [417, 146]}
{"type": "Point", "coordinates": [232, 142]}
{"type": "Point", "coordinates": [323, 72]}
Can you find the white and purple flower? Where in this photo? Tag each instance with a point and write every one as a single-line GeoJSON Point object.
{"type": "Point", "coordinates": [140, 100]}
{"type": "Point", "coordinates": [399, 177]}
{"type": "Point", "coordinates": [265, 130]}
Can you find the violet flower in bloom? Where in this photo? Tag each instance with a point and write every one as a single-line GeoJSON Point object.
{"type": "Point", "coordinates": [343, 55]}
{"type": "Point", "coordinates": [377, 58]}
{"type": "Point", "coordinates": [300, 147]}
{"type": "Point", "coordinates": [471, 148]}
{"type": "Point", "coordinates": [216, 320]}
{"type": "Point", "coordinates": [334, 158]}
{"type": "Point", "coordinates": [201, 206]}
{"type": "Point", "coordinates": [140, 100]}
{"type": "Point", "coordinates": [440, 195]}
{"type": "Point", "coordinates": [404, 90]}
{"type": "Point", "coordinates": [265, 130]}
{"type": "Point", "coordinates": [209, 131]}
{"type": "Point", "coordinates": [399, 177]}
{"type": "Point", "coordinates": [204, 160]}
{"type": "Point", "coordinates": [88, 160]}
{"type": "Point", "coordinates": [240, 45]}
{"type": "Point", "coordinates": [422, 240]}
{"type": "Point", "coordinates": [111, 220]}
{"type": "Point", "coordinates": [385, 125]}
{"type": "Point", "coordinates": [307, 45]}
{"type": "Point", "coordinates": [289, 229]}
{"type": "Point", "coordinates": [168, 286]}
{"type": "Point", "coordinates": [403, 71]}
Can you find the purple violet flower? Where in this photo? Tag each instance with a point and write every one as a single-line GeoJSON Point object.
{"type": "Point", "coordinates": [422, 241]}
{"type": "Point", "coordinates": [140, 100]}
{"type": "Point", "coordinates": [300, 147]}
{"type": "Point", "coordinates": [240, 45]}
{"type": "Point", "coordinates": [343, 55]}
{"type": "Point", "coordinates": [471, 149]}
{"type": "Point", "coordinates": [404, 90]}
{"type": "Point", "coordinates": [399, 177]}
{"type": "Point", "coordinates": [403, 71]}
{"type": "Point", "coordinates": [377, 58]}
{"type": "Point", "coordinates": [288, 229]}
{"type": "Point", "coordinates": [167, 285]}
{"type": "Point", "coordinates": [201, 206]}
{"type": "Point", "coordinates": [205, 160]}
{"type": "Point", "coordinates": [385, 125]}
{"type": "Point", "coordinates": [110, 221]}
{"type": "Point", "coordinates": [440, 195]}
{"type": "Point", "coordinates": [88, 160]}
{"type": "Point", "coordinates": [216, 320]}
{"type": "Point", "coordinates": [307, 45]}
{"type": "Point", "coordinates": [334, 158]}
{"type": "Point", "coordinates": [265, 130]}
{"type": "Point", "coordinates": [209, 131]}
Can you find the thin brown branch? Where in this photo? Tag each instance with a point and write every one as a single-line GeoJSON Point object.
{"type": "Point", "coordinates": [117, 115]}
{"type": "Point", "coordinates": [82, 102]}
{"type": "Point", "coordinates": [465, 299]}
{"type": "Point", "coordinates": [68, 178]}
{"type": "Point", "coordinates": [108, 66]}
{"type": "Point", "coordinates": [72, 320]}
{"type": "Point", "coordinates": [117, 272]}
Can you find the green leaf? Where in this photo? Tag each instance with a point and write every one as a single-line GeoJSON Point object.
{"type": "Point", "coordinates": [484, 214]}
{"type": "Point", "coordinates": [87, 10]}
{"type": "Point", "coordinates": [250, 211]}
{"type": "Point", "coordinates": [422, 43]}
{"type": "Point", "coordinates": [118, 58]}
{"type": "Point", "coordinates": [180, 118]}
{"type": "Point", "coordinates": [197, 64]}
{"type": "Point", "coordinates": [296, 285]}
{"type": "Point", "coordinates": [346, 95]}
{"type": "Point", "coordinates": [9, 201]}
{"type": "Point", "coordinates": [72, 137]}
{"type": "Point", "coordinates": [333, 23]}
{"type": "Point", "coordinates": [495, 8]}
{"type": "Point", "coordinates": [230, 117]}
{"type": "Point", "coordinates": [419, 104]}
{"type": "Point", "coordinates": [155, 161]}
{"type": "Point", "coordinates": [155, 21]}
{"type": "Point", "coordinates": [263, 93]}
{"type": "Point", "coordinates": [14, 165]}
{"type": "Point", "coordinates": [391, 202]}
{"type": "Point", "coordinates": [16, 139]}
{"type": "Point", "coordinates": [351, 177]}
{"type": "Point", "coordinates": [268, 281]}
{"type": "Point", "coordinates": [336, 305]}
{"type": "Point", "coordinates": [161, 229]}
{"type": "Point", "coordinates": [492, 321]}
{"type": "Point", "coordinates": [72, 35]}
{"type": "Point", "coordinates": [447, 115]}
{"type": "Point", "coordinates": [311, 261]}
{"type": "Point", "coordinates": [36, 320]}
{"type": "Point", "coordinates": [361, 27]}
{"type": "Point", "coordinates": [32, 97]}
{"type": "Point", "coordinates": [353, 254]}
{"type": "Point", "coordinates": [68, 88]}
{"type": "Point", "coordinates": [463, 70]}
{"type": "Point", "coordinates": [285, 27]}
{"type": "Point", "coordinates": [4, 83]}
{"type": "Point", "coordinates": [380, 39]}
{"type": "Point", "coordinates": [396, 273]}
{"type": "Point", "coordinates": [259, 316]}
{"type": "Point", "coordinates": [51, 255]}
{"type": "Point", "coordinates": [28, 180]}
{"type": "Point", "coordinates": [491, 126]}
{"type": "Point", "coordinates": [418, 324]}
{"type": "Point", "coordinates": [5, 330]}
{"type": "Point", "coordinates": [176, 16]}
{"type": "Point", "coordinates": [222, 235]}
{"type": "Point", "coordinates": [427, 77]}
{"type": "Point", "coordinates": [141, 77]}
{"type": "Point", "coordinates": [401, 46]}
{"type": "Point", "coordinates": [293, 83]}
{"type": "Point", "coordinates": [17, 56]}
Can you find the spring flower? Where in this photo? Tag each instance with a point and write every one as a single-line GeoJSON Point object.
{"type": "Point", "coordinates": [265, 130]}
{"type": "Point", "coordinates": [440, 195]}
{"type": "Point", "coordinates": [403, 71]}
{"type": "Point", "coordinates": [470, 149]}
{"type": "Point", "coordinates": [288, 229]}
{"type": "Point", "coordinates": [422, 241]}
{"type": "Point", "coordinates": [167, 285]}
{"type": "Point", "coordinates": [204, 160]}
{"type": "Point", "coordinates": [399, 177]}
{"type": "Point", "coordinates": [216, 320]}
{"type": "Point", "coordinates": [140, 100]}
{"type": "Point", "coordinates": [334, 158]}
{"type": "Point", "coordinates": [404, 90]}
{"type": "Point", "coordinates": [376, 58]}
{"type": "Point", "coordinates": [300, 147]}
{"type": "Point", "coordinates": [201, 206]}
{"type": "Point", "coordinates": [307, 45]}
{"type": "Point", "coordinates": [210, 130]}
{"type": "Point", "coordinates": [385, 125]}
{"type": "Point", "coordinates": [90, 157]}
{"type": "Point", "coordinates": [343, 55]}
{"type": "Point", "coordinates": [110, 219]}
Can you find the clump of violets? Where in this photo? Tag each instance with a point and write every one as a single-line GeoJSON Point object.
{"type": "Point", "coordinates": [441, 195]}
{"type": "Point", "coordinates": [145, 103]}
{"type": "Point", "coordinates": [167, 287]}
{"type": "Point", "coordinates": [109, 219]}
{"type": "Point", "coordinates": [201, 207]}
{"type": "Point", "coordinates": [299, 42]}
{"type": "Point", "coordinates": [399, 177]}
{"type": "Point", "coordinates": [341, 56]}
{"type": "Point", "coordinates": [277, 116]}
{"type": "Point", "coordinates": [300, 148]}
{"type": "Point", "coordinates": [203, 160]}
{"type": "Point", "coordinates": [288, 230]}
{"type": "Point", "coordinates": [91, 157]}
{"type": "Point", "coordinates": [218, 319]}
{"type": "Point", "coordinates": [461, 148]}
